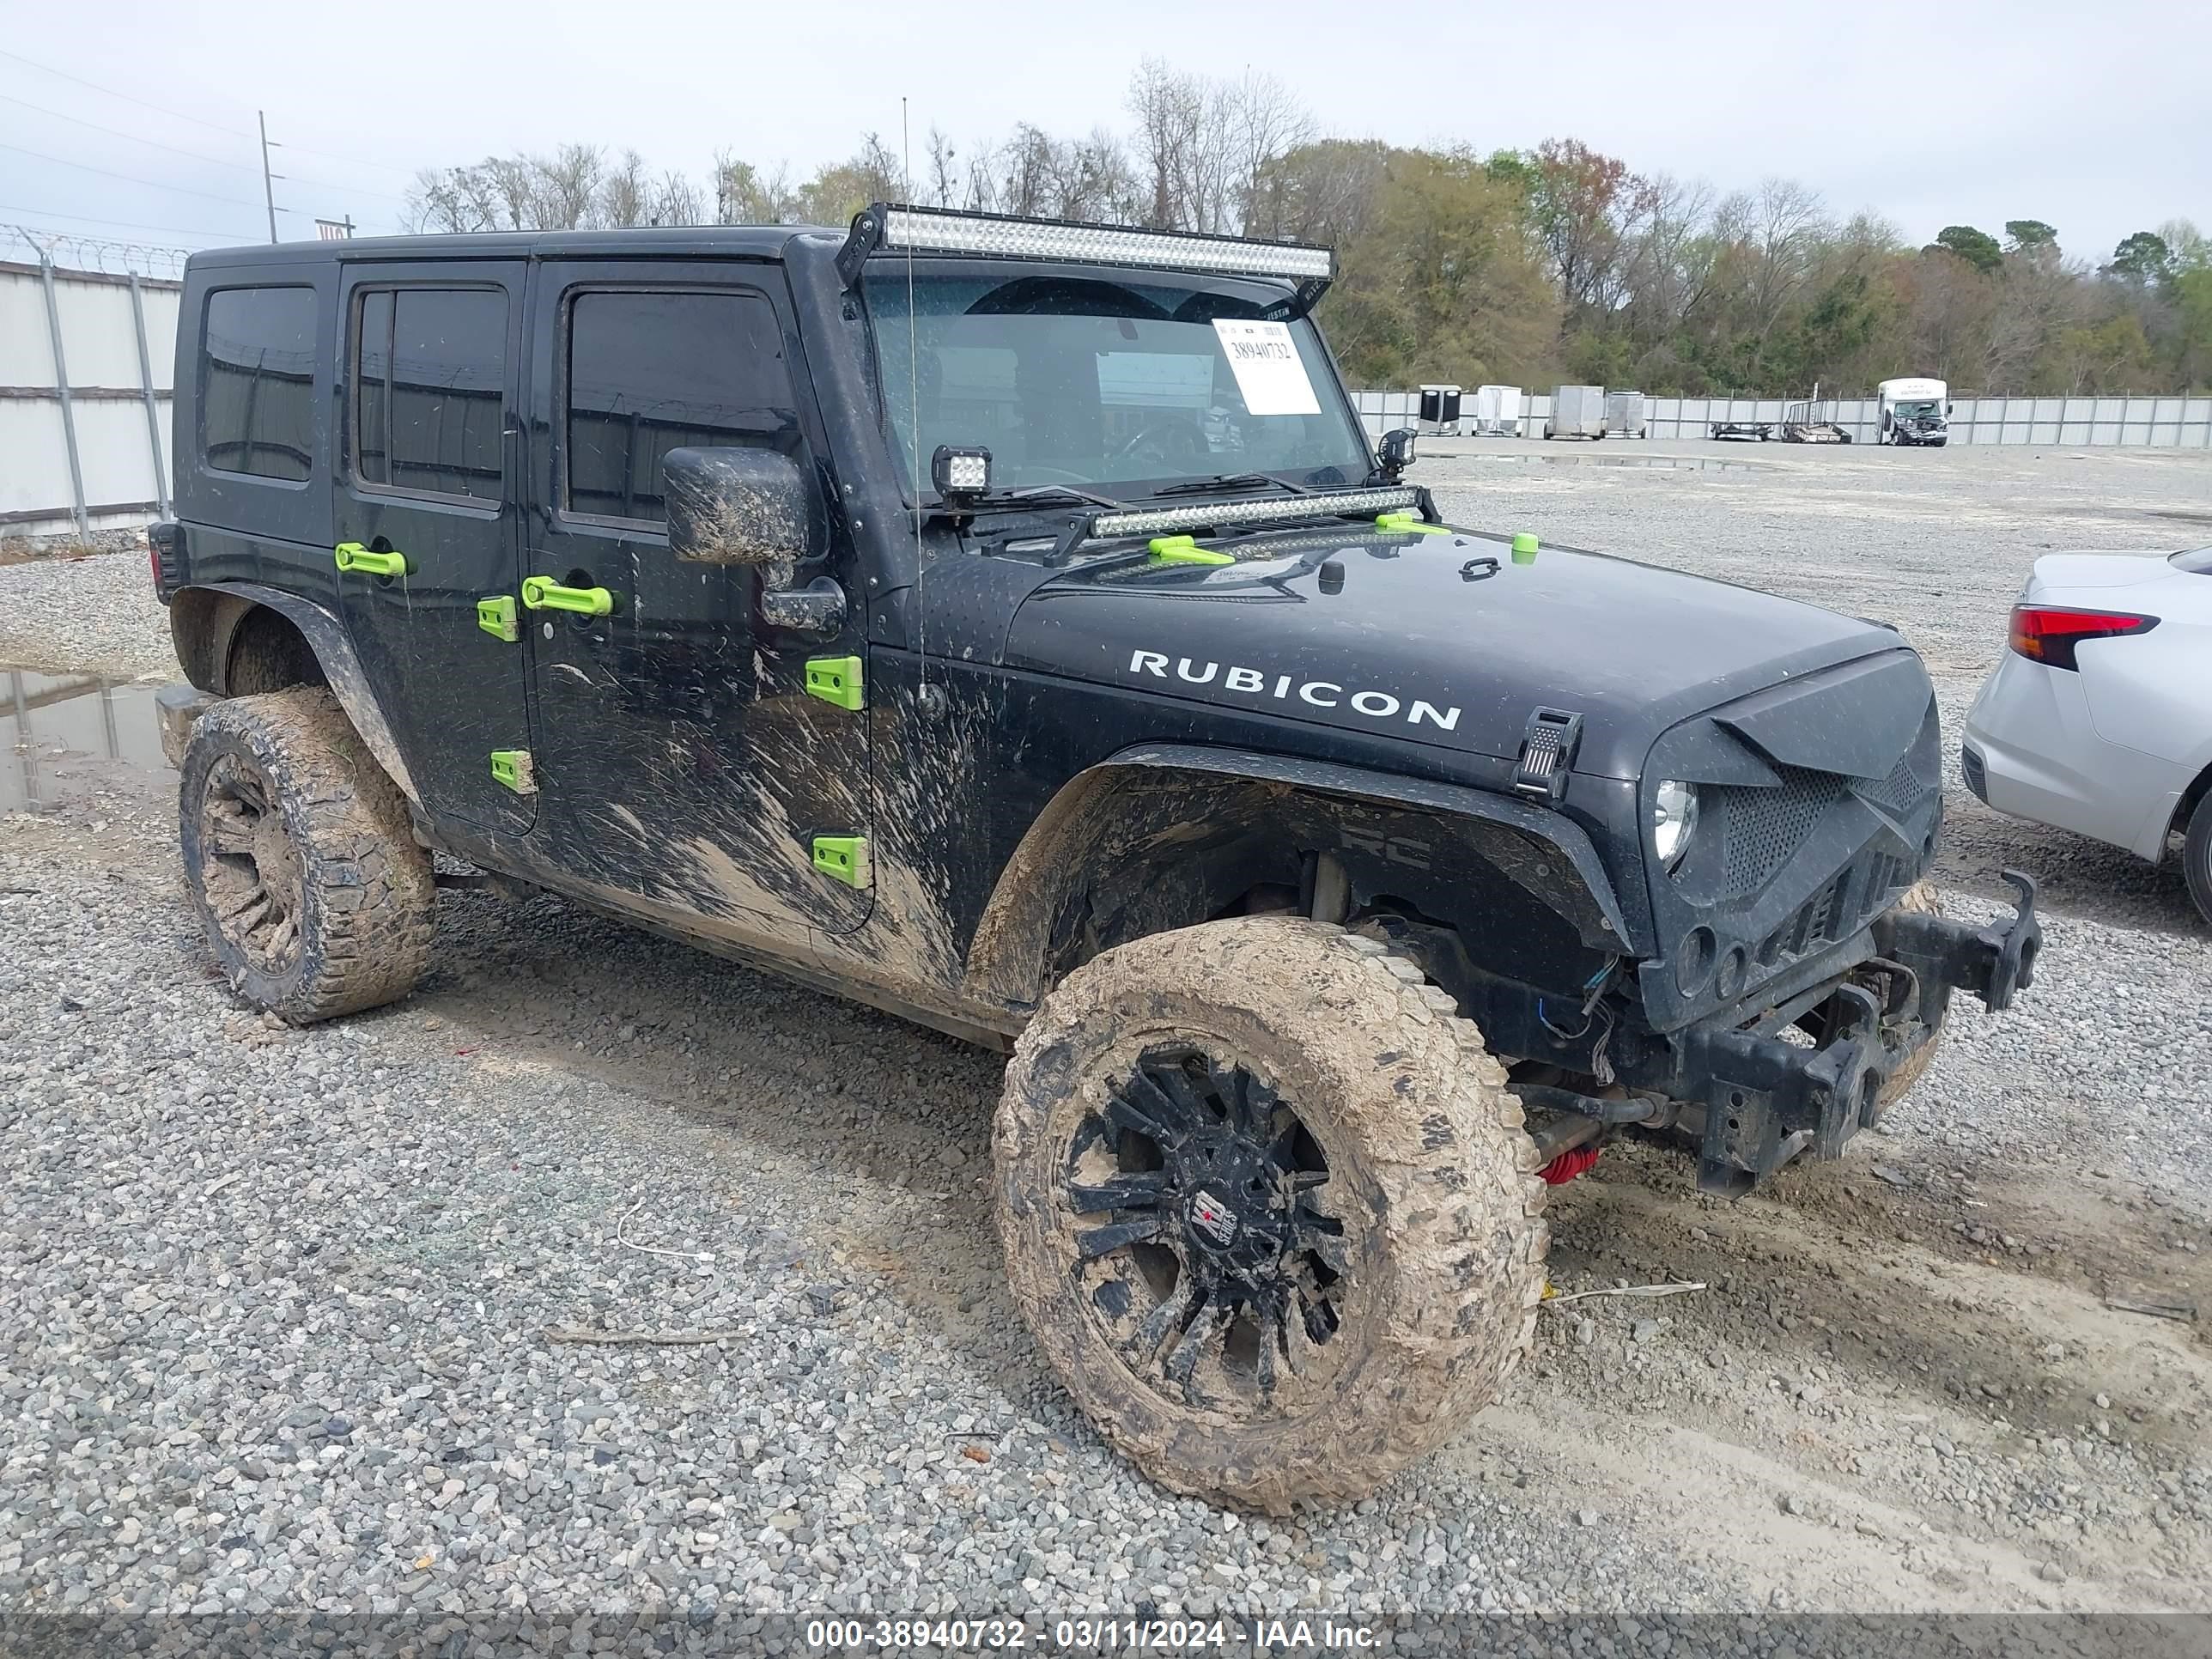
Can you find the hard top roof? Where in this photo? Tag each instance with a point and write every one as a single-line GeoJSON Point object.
{"type": "Point", "coordinates": [727, 241]}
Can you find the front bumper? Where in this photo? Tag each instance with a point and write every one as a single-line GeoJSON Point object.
{"type": "Point", "coordinates": [1767, 1101]}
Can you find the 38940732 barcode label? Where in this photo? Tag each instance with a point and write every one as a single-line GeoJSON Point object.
{"type": "Point", "coordinates": [1270, 374]}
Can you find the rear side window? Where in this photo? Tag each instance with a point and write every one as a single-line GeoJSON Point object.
{"type": "Point", "coordinates": [429, 378]}
{"type": "Point", "coordinates": [257, 382]}
{"type": "Point", "coordinates": [652, 372]}
{"type": "Point", "coordinates": [2197, 563]}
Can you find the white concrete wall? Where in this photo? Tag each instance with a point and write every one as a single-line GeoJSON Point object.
{"type": "Point", "coordinates": [124, 474]}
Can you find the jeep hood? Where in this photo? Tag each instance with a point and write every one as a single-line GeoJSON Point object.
{"type": "Point", "coordinates": [1446, 640]}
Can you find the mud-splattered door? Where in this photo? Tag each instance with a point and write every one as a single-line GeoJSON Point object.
{"type": "Point", "coordinates": [427, 494]}
{"type": "Point", "coordinates": [679, 759]}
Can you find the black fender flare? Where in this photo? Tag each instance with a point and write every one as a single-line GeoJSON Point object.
{"type": "Point", "coordinates": [1547, 853]}
{"type": "Point", "coordinates": [333, 647]}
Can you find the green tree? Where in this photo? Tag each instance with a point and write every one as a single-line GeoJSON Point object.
{"type": "Point", "coordinates": [2030, 236]}
{"type": "Point", "coordinates": [1443, 282]}
{"type": "Point", "coordinates": [2143, 259]}
{"type": "Point", "coordinates": [2192, 292]}
{"type": "Point", "coordinates": [1977, 247]}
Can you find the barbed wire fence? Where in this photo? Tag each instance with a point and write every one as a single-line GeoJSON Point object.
{"type": "Point", "coordinates": [31, 245]}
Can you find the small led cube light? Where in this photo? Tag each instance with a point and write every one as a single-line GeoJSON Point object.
{"type": "Point", "coordinates": [960, 472]}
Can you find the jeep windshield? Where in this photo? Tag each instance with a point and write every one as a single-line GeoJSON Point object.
{"type": "Point", "coordinates": [1119, 385]}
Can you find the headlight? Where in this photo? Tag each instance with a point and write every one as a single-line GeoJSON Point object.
{"type": "Point", "coordinates": [1674, 816]}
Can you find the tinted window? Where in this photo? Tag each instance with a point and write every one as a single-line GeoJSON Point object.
{"type": "Point", "coordinates": [2198, 563]}
{"type": "Point", "coordinates": [429, 390]}
{"type": "Point", "coordinates": [257, 382]}
{"type": "Point", "coordinates": [649, 373]}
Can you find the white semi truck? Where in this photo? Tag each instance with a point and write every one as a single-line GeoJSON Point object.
{"type": "Point", "coordinates": [1914, 410]}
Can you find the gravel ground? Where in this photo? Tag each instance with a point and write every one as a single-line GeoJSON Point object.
{"type": "Point", "coordinates": [275, 1305]}
{"type": "Point", "coordinates": [92, 615]}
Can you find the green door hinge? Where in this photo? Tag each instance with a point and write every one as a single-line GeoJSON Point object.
{"type": "Point", "coordinates": [1405, 524]}
{"type": "Point", "coordinates": [836, 679]}
{"type": "Point", "coordinates": [512, 767]}
{"type": "Point", "coordinates": [496, 617]}
{"type": "Point", "coordinates": [353, 556]}
{"type": "Point", "coordinates": [842, 858]}
{"type": "Point", "coordinates": [1183, 549]}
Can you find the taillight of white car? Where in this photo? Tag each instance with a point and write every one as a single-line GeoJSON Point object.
{"type": "Point", "coordinates": [2050, 634]}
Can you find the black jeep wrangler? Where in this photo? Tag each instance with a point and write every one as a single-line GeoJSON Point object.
{"type": "Point", "coordinates": [1008, 624]}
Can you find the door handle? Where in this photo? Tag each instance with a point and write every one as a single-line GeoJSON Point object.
{"type": "Point", "coordinates": [544, 593]}
{"type": "Point", "coordinates": [352, 557]}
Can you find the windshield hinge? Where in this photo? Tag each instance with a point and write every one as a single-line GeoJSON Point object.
{"type": "Point", "coordinates": [1548, 754]}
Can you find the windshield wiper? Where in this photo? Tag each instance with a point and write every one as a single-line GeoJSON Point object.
{"type": "Point", "coordinates": [1229, 481]}
{"type": "Point", "coordinates": [1034, 495]}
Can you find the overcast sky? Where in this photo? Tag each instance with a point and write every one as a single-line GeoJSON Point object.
{"type": "Point", "coordinates": [2091, 116]}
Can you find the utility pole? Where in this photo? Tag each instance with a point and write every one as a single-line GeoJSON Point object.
{"type": "Point", "coordinates": [268, 193]}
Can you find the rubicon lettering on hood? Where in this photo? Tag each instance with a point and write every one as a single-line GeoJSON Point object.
{"type": "Point", "coordinates": [1287, 688]}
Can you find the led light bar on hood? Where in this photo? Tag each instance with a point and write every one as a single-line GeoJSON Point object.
{"type": "Point", "coordinates": [1224, 515]}
{"type": "Point", "coordinates": [894, 228]}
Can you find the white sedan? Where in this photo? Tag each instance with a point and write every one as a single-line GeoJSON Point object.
{"type": "Point", "coordinates": [2099, 717]}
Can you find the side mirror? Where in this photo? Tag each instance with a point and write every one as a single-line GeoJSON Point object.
{"type": "Point", "coordinates": [754, 507]}
{"type": "Point", "coordinates": [740, 506]}
{"type": "Point", "coordinates": [1395, 453]}
{"type": "Point", "coordinates": [1948, 408]}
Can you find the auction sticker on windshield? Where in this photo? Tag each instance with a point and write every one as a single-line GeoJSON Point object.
{"type": "Point", "coordinates": [1270, 372]}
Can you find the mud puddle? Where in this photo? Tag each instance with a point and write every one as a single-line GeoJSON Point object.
{"type": "Point", "coordinates": [64, 740]}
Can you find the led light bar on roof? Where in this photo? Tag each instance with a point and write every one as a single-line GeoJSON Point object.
{"type": "Point", "coordinates": [1222, 515]}
{"type": "Point", "coordinates": [889, 228]}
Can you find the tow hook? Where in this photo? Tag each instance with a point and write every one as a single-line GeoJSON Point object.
{"type": "Point", "coordinates": [2015, 945]}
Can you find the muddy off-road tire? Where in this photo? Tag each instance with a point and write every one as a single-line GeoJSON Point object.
{"type": "Point", "coordinates": [316, 899]}
{"type": "Point", "coordinates": [1267, 1209]}
{"type": "Point", "coordinates": [1920, 897]}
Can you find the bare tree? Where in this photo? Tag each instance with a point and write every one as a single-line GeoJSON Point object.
{"type": "Point", "coordinates": [625, 195]}
{"type": "Point", "coordinates": [942, 186]}
{"type": "Point", "coordinates": [743, 195]}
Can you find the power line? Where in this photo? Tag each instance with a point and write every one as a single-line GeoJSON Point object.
{"type": "Point", "coordinates": [128, 97]}
{"type": "Point", "coordinates": [131, 178]}
{"type": "Point", "coordinates": [127, 224]}
{"type": "Point", "coordinates": [357, 161]}
{"type": "Point", "coordinates": [154, 144]}
{"type": "Point", "coordinates": [200, 155]}
{"type": "Point", "coordinates": [326, 184]}
{"type": "Point", "coordinates": [235, 132]}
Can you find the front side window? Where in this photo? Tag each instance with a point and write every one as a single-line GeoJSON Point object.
{"type": "Point", "coordinates": [429, 391]}
{"type": "Point", "coordinates": [1107, 383]}
{"type": "Point", "coordinates": [257, 382]}
{"type": "Point", "coordinates": [649, 372]}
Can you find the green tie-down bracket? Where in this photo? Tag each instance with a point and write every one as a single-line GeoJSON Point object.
{"type": "Point", "coordinates": [842, 858]}
{"type": "Point", "coordinates": [511, 768]}
{"type": "Point", "coordinates": [496, 617]}
{"type": "Point", "coordinates": [837, 680]}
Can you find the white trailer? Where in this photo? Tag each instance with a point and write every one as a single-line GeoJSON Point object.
{"type": "Point", "coordinates": [1628, 413]}
{"type": "Point", "coordinates": [1577, 411]}
{"type": "Point", "coordinates": [1498, 411]}
{"type": "Point", "coordinates": [1440, 411]}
